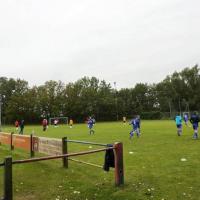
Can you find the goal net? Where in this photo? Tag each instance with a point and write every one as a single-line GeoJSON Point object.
{"type": "Point", "coordinates": [60, 120]}
{"type": "Point", "coordinates": [186, 113]}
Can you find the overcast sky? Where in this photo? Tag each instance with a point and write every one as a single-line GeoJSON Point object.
{"type": "Point", "coordinates": [122, 41]}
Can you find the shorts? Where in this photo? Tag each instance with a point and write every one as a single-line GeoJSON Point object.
{"type": "Point", "coordinates": [179, 125]}
{"type": "Point", "coordinates": [195, 126]}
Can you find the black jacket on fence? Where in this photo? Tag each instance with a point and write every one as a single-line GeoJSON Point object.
{"type": "Point", "coordinates": [109, 159]}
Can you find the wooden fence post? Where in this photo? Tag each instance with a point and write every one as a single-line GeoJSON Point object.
{"type": "Point", "coordinates": [119, 168]}
{"type": "Point", "coordinates": [11, 141]}
{"type": "Point", "coordinates": [32, 153]}
{"type": "Point", "coordinates": [65, 151]}
{"type": "Point", "coordinates": [8, 190]}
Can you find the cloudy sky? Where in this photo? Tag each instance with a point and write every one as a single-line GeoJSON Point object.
{"type": "Point", "coordinates": [122, 41]}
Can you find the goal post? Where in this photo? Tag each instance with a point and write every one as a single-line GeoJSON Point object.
{"type": "Point", "coordinates": [186, 113]}
{"type": "Point", "coordinates": [61, 120]}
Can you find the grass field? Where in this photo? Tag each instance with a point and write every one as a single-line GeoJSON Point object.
{"type": "Point", "coordinates": [153, 171]}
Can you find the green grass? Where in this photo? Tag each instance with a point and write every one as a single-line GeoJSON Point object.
{"type": "Point", "coordinates": [153, 171]}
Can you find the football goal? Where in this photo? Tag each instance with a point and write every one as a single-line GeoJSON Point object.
{"type": "Point", "coordinates": [60, 120]}
{"type": "Point", "coordinates": [186, 113]}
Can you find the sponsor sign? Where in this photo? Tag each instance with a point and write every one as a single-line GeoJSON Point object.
{"type": "Point", "coordinates": [35, 143]}
{"type": "Point", "coordinates": [21, 141]}
{"type": "Point", "coordinates": [5, 138]}
{"type": "Point", "coordinates": [50, 146]}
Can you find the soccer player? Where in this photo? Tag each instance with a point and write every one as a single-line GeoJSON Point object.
{"type": "Point", "coordinates": [138, 123]}
{"type": "Point", "coordinates": [44, 124]}
{"type": "Point", "coordinates": [17, 125]}
{"type": "Point", "coordinates": [71, 123]}
{"type": "Point", "coordinates": [134, 123]}
{"type": "Point", "coordinates": [178, 120]}
{"type": "Point", "coordinates": [91, 123]}
{"type": "Point", "coordinates": [195, 123]}
{"type": "Point", "coordinates": [186, 118]}
{"type": "Point", "coordinates": [21, 127]}
{"type": "Point", "coordinates": [55, 123]}
{"type": "Point", "coordinates": [124, 120]}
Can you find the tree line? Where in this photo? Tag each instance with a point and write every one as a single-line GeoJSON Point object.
{"type": "Point", "coordinates": [91, 96]}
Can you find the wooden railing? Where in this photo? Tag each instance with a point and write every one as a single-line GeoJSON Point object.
{"type": "Point", "coordinates": [118, 162]}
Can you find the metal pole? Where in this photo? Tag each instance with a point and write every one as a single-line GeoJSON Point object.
{"type": "Point", "coordinates": [87, 163]}
{"type": "Point", "coordinates": [65, 151]}
{"type": "Point", "coordinates": [116, 104]}
{"type": "Point", "coordinates": [11, 141]}
{"type": "Point", "coordinates": [170, 110]}
{"type": "Point", "coordinates": [84, 142]}
{"type": "Point", "coordinates": [8, 187]}
{"type": "Point", "coordinates": [32, 153]}
{"type": "Point", "coordinates": [179, 103]}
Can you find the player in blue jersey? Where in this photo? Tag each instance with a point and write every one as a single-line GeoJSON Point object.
{"type": "Point", "coordinates": [91, 122]}
{"type": "Point", "coordinates": [134, 123]}
{"type": "Point", "coordinates": [178, 120]}
{"type": "Point", "coordinates": [138, 123]}
{"type": "Point", "coordinates": [195, 123]}
{"type": "Point", "coordinates": [186, 118]}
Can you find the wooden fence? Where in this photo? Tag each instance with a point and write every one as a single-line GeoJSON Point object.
{"type": "Point", "coordinates": [32, 144]}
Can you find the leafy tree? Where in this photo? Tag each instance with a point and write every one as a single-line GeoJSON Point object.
{"type": "Point", "coordinates": [90, 96]}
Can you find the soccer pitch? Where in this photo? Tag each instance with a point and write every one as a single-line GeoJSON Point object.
{"type": "Point", "coordinates": [158, 165]}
